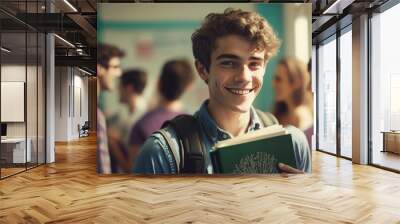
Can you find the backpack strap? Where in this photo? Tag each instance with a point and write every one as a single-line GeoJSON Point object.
{"type": "Point", "coordinates": [266, 118]}
{"type": "Point", "coordinates": [172, 148]}
{"type": "Point", "coordinates": [191, 147]}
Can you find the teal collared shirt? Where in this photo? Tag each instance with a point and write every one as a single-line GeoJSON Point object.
{"type": "Point", "coordinates": [155, 157]}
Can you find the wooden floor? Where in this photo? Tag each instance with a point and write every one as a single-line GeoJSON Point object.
{"type": "Point", "coordinates": [10, 171]}
{"type": "Point", "coordinates": [70, 191]}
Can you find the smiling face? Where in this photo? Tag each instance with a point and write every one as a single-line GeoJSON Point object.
{"type": "Point", "coordinates": [236, 72]}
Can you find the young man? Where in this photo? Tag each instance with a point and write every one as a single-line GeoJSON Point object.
{"type": "Point", "coordinates": [176, 77]}
{"type": "Point", "coordinates": [132, 84]}
{"type": "Point", "coordinates": [131, 87]}
{"type": "Point", "coordinates": [231, 50]}
{"type": "Point", "coordinates": [108, 68]}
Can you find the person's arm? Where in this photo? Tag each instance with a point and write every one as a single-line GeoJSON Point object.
{"type": "Point", "coordinates": [154, 157]}
{"type": "Point", "coordinates": [301, 152]}
{"type": "Point", "coordinates": [288, 169]}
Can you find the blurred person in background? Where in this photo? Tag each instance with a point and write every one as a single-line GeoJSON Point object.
{"type": "Point", "coordinates": [176, 78]}
{"type": "Point", "coordinates": [108, 68]}
{"type": "Point", "coordinates": [293, 98]}
{"type": "Point", "coordinates": [131, 87]}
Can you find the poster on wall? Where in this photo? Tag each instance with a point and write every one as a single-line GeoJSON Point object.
{"type": "Point", "coordinates": [200, 70]}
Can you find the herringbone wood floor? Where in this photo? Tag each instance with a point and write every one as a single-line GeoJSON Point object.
{"type": "Point", "coordinates": [70, 191]}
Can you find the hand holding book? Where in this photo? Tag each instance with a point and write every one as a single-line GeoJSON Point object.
{"type": "Point", "coordinates": [255, 152]}
{"type": "Point", "coordinates": [288, 169]}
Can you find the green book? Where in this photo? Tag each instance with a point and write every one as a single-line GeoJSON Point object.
{"type": "Point", "coordinates": [255, 152]}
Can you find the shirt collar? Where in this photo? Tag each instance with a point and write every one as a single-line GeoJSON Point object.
{"type": "Point", "coordinates": [216, 133]}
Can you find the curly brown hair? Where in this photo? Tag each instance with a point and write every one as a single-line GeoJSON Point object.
{"type": "Point", "coordinates": [249, 25]}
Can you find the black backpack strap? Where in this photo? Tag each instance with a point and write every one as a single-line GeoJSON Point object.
{"type": "Point", "coordinates": [268, 119]}
{"type": "Point", "coordinates": [191, 147]}
{"type": "Point", "coordinates": [172, 148]}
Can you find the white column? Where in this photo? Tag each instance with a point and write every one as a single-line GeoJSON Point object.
{"type": "Point", "coordinates": [50, 100]}
{"type": "Point", "coordinates": [50, 93]}
{"type": "Point", "coordinates": [360, 90]}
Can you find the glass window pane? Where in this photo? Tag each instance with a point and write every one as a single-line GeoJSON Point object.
{"type": "Point", "coordinates": [13, 85]}
{"type": "Point", "coordinates": [327, 96]}
{"type": "Point", "coordinates": [41, 98]}
{"type": "Point", "coordinates": [31, 97]}
{"type": "Point", "coordinates": [23, 84]}
{"type": "Point", "coordinates": [14, 148]}
{"type": "Point", "coordinates": [385, 89]}
{"type": "Point", "coordinates": [346, 94]}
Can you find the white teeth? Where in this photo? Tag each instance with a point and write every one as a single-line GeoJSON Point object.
{"type": "Point", "coordinates": [239, 91]}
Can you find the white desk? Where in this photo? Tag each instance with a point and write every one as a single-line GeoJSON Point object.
{"type": "Point", "coordinates": [16, 148]}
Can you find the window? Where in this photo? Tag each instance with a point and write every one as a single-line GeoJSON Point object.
{"type": "Point", "coordinates": [326, 106]}
{"type": "Point", "coordinates": [22, 75]}
{"type": "Point", "coordinates": [346, 93]}
{"type": "Point", "coordinates": [385, 88]}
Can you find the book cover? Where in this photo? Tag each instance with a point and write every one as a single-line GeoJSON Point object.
{"type": "Point", "coordinates": [258, 154]}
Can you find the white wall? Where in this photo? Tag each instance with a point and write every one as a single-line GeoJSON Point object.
{"type": "Point", "coordinates": [61, 103]}
{"type": "Point", "coordinates": [298, 21]}
{"type": "Point", "coordinates": [71, 93]}
{"type": "Point", "coordinates": [80, 96]}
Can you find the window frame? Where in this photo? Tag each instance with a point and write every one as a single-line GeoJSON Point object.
{"type": "Point", "coordinates": [334, 37]}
